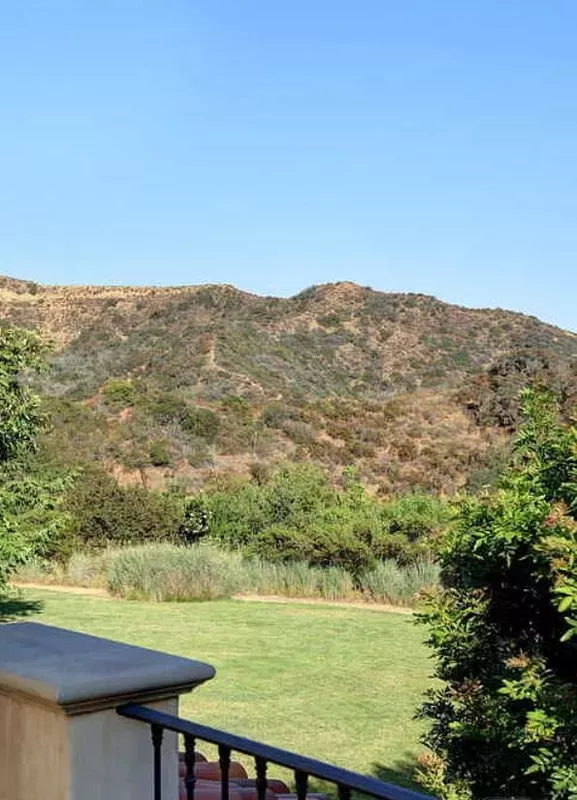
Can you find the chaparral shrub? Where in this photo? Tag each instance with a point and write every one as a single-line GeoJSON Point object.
{"type": "Point", "coordinates": [106, 513]}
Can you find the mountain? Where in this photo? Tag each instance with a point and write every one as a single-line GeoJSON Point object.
{"type": "Point", "coordinates": [186, 383]}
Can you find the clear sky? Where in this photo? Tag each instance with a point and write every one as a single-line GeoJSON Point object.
{"type": "Point", "coordinates": [409, 145]}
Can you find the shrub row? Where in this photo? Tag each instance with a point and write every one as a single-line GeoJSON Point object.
{"type": "Point", "coordinates": [299, 514]}
{"type": "Point", "coordinates": [295, 514]}
{"type": "Point", "coordinates": [165, 572]}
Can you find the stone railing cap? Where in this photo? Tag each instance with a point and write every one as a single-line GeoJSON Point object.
{"type": "Point", "coordinates": [73, 669]}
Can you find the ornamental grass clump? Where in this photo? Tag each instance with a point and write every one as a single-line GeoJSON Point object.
{"type": "Point", "coordinates": [168, 572]}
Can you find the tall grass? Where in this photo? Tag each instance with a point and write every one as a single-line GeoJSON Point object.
{"type": "Point", "coordinates": [168, 572]}
{"type": "Point", "coordinates": [205, 572]}
{"type": "Point", "coordinates": [165, 572]}
{"type": "Point", "coordinates": [390, 583]}
{"type": "Point", "coordinates": [86, 569]}
{"type": "Point", "coordinates": [298, 579]}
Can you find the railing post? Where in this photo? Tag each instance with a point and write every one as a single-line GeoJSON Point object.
{"type": "Point", "coordinates": [157, 733]}
{"type": "Point", "coordinates": [60, 735]}
{"type": "Point", "coordinates": [189, 760]}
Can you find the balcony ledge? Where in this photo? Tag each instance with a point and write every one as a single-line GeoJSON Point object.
{"type": "Point", "coordinates": [81, 673]}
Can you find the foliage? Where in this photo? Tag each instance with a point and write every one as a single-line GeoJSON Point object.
{"type": "Point", "coordinates": [212, 372]}
{"type": "Point", "coordinates": [106, 513]}
{"type": "Point", "coordinates": [297, 514]}
{"type": "Point", "coordinates": [14, 550]}
{"type": "Point", "coordinates": [171, 409]}
{"type": "Point", "coordinates": [504, 627]}
{"type": "Point", "coordinates": [494, 399]}
{"type": "Point", "coordinates": [20, 418]}
{"type": "Point", "coordinates": [159, 453]}
{"type": "Point", "coordinates": [164, 572]}
{"type": "Point", "coordinates": [387, 582]}
{"type": "Point", "coordinates": [319, 544]}
{"type": "Point", "coordinates": [119, 392]}
{"type": "Point", "coordinates": [412, 526]}
{"type": "Point", "coordinates": [486, 470]}
{"type": "Point", "coordinates": [31, 500]}
{"type": "Point", "coordinates": [195, 520]}
{"type": "Point", "coordinates": [31, 520]}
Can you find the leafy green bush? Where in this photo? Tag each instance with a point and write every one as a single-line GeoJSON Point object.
{"type": "Point", "coordinates": [119, 392]}
{"type": "Point", "coordinates": [32, 507]}
{"type": "Point", "coordinates": [297, 514]}
{"type": "Point", "coordinates": [168, 409]}
{"type": "Point", "coordinates": [202, 422]}
{"type": "Point", "coordinates": [320, 545]}
{"type": "Point", "coordinates": [294, 514]}
{"type": "Point", "coordinates": [20, 418]}
{"type": "Point", "coordinates": [106, 513]}
{"type": "Point", "coordinates": [411, 527]}
{"type": "Point", "coordinates": [159, 453]}
{"type": "Point", "coordinates": [236, 513]}
{"type": "Point", "coordinates": [504, 628]}
{"type": "Point", "coordinates": [195, 521]}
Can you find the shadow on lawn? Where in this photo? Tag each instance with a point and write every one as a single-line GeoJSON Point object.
{"type": "Point", "coordinates": [402, 773]}
{"type": "Point", "coordinates": [13, 606]}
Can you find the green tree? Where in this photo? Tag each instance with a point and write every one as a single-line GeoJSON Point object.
{"type": "Point", "coordinates": [33, 519]}
{"type": "Point", "coordinates": [504, 627]}
{"type": "Point", "coordinates": [31, 522]}
{"type": "Point", "coordinates": [20, 416]}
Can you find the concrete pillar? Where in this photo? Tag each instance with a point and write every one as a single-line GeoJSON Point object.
{"type": "Point", "coordinates": [60, 735]}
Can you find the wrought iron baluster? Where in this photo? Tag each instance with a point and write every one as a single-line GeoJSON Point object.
{"type": "Point", "coordinates": [302, 782]}
{"type": "Point", "coordinates": [189, 760]}
{"type": "Point", "coordinates": [261, 781]}
{"type": "Point", "coordinates": [157, 731]}
{"type": "Point", "coordinates": [224, 761]}
{"type": "Point", "coordinates": [304, 769]}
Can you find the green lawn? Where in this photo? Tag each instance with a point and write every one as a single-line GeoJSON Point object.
{"type": "Point", "coordinates": [340, 684]}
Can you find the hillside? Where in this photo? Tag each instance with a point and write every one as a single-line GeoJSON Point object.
{"type": "Point", "coordinates": [182, 383]}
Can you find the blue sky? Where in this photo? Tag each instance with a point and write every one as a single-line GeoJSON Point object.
{"type": "Point", "coordinates": [409, 145]}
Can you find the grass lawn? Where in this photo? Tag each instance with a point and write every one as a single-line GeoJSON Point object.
{"type": "Point", "coordinates": [340, 684]}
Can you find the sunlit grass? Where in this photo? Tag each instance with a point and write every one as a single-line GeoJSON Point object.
{"type": "Point", "coordinates": [340, 684]}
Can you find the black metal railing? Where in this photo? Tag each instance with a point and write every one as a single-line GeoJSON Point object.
{"type": "Point", "coordinates": [302, 767]}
